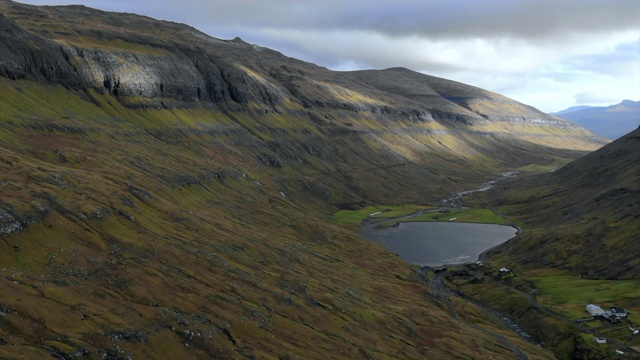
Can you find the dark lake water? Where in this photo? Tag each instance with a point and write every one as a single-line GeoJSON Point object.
{"type": "Point", "coordinates": [439, 243]}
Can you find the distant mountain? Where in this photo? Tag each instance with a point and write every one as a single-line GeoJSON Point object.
{"type": "Point", "coordinates": [571, 109]}
{"type": "Point", "coordinates": [608, 121]}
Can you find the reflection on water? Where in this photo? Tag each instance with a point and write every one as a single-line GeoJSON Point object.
{"type": "Point", "coordinates": [439, 243]}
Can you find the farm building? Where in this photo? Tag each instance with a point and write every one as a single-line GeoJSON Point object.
{"type": "Point", "coordinates": [595, 310]}
{"type": "Point", "coordinates": [619, 312]}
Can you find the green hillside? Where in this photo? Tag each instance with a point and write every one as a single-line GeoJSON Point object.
{"type": "Point", "coordinates": [581, 216]}
{"type": "Point", "coordinates": [579, 244]}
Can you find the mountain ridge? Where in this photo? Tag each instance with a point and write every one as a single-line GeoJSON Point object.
{"type": "Point", "coordinates": [265, 83]}
{"type": "Point", "coordinates": [611, 121]}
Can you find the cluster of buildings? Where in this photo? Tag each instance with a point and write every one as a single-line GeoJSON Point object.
{"type": "Point", "coordinates": [615, 314]}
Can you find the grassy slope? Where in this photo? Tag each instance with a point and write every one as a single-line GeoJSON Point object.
{"type": "Point", "coordinates": [581, 222]}
{"type": "Point", "coordinates": [581, 216]}
{"type": "Point", "coordinates": [561, 293]}
{"type": "Point", "coordinates": [167, 243]}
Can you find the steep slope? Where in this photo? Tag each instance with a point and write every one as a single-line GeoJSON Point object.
{"type": "Point", "coordinates": [584, 217]}
{"type": "Point", "coordinates": [174, 66]}
{"type": "Point", "coordinates": [608, 121]}
{"type": "Point", "coordinates": [164, 194]}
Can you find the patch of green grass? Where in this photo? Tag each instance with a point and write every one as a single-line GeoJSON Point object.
{"type": "Point", "coordinates": [460, 215]}
{"type": "Point", "coordinates": [572, 294]}
{"type": "Point", "coordinates": [352, 219]}
{"type": "Point", "coordinates": [537, 168]}
{"type": "Point", "coordinates": [567, 289]}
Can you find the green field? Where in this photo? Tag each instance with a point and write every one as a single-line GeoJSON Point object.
{"type": "Point", "coordinates": [570, 293]}
{"type": "Point", "coordinates": [458, 215]}
{"type": "Point", "coordinates": [352, 219]}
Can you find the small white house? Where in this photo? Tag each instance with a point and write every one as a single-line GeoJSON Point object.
{"type": "Point", "coordinates": [595, 310]}
{"type": "Point", "coordinates": [504, 270]}
{"type": "Point", "coordinates": [601, 340]}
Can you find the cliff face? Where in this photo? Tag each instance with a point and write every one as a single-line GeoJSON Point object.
{"type": "Point", "coordinates": [141, 62]}
{"type": "Point", "coordinates": [125, 64]}
{"type": "Point", "coordinates": [185, 77]}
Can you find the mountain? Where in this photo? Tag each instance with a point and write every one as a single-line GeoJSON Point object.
{"type": "Point", "coordinates": [608, 121]}
{"type": "Point", "coordinates": [584, 217]}
{"type": "Point", "coordinates": [166, 194]}
{"type": "Point", "coordinates": [571, 109]}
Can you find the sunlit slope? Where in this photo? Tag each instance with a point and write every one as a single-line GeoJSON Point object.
{"type": "Point", "coordinates": [482, 112]}
{"type": "Point", "coordinates": [148, 63]}
{"type": "Point", "coordinates": [585, 217]}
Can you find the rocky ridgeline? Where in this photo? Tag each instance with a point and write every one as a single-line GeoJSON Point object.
{"type": "Point", "coordinates": [157, 64]}
{"type": "Point", "coordinates": [182, 74]}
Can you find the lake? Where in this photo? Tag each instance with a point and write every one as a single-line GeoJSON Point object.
{"type": "Point", "coordinates": [438, 243]}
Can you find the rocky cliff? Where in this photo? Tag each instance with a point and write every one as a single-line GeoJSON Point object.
{"type": "Point", "coordinates": [140, 61]}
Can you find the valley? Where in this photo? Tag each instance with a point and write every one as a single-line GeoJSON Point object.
{"type": "Point", "coordinates": [167, 194]}
{"type": "Point", "coordinates": [519, 293]}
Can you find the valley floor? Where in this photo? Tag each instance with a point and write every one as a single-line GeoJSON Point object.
{"type": "Point", "coordinates": [539, 306]}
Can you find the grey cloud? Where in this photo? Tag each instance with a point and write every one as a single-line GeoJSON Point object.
{"type": "Point", "coordinates": [603, 63]}
{"type": "Point", "coordinates": [444, 19]}
{"type": "Point", "coordinates": [526, 19]}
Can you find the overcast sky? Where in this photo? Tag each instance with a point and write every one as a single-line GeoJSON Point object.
{"type": "Point", "coordinates": [551, 54]}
